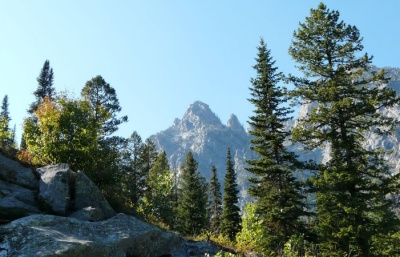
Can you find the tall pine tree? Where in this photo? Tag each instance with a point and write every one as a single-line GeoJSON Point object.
{"type": "Point", "coordinates": [104, 101]}
{"type": "Point", "coordinates": [215, 202]}
{"type": "Point", "coordinates": [352, 187]}
{"type": "Point", "coordinates": [231, 221]}
{"type": "Point", "coordinates": [135, 178]}
{"type": "Point", "coordinates": [5, 113]}
{"type": "Point", "coordinates": [45, 86]}
{"type": "Point", "coordinates": [274, 187]}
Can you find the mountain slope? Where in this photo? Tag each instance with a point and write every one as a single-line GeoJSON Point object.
{"type": "Point", "coordinates": [203, 133]}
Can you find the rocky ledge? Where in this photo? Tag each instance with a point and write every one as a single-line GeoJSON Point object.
{"type": "Point", "coordinates": [54, 211]}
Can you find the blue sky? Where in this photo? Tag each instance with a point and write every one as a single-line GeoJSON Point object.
{"type": "Point", "coordinates": [161, 56]}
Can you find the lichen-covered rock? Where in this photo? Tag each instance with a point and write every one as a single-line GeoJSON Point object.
{"type": "Point", "coordinates": [87, 194]}
{"type": "Point", "coordinates": [122, 235]}
{"type": "Point", "coordinates": [89, 214]}
{"type": "Point", "coordinates": [14, 172]}
{"type": "Point", "coordinates": [54, 188]}
{"type": "Point", "coordinates": [16, 201]}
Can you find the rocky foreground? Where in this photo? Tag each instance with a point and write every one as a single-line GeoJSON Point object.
{"type": "Point", "coordinates": [54, 211]}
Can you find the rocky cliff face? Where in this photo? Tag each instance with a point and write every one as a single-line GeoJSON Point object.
{"type": "Point", "coordinates": [54, 211]}
{"type": "Point", "coordinates": [202, 132]}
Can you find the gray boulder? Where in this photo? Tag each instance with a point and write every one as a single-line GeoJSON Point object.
{"type": "Point", "coordinates": [14, 172]}
{"type": "Point", "coordinates": [122, 235]}
{"type": "Point", "coordinates": [90, 200]}
{"type": "Point", "coordinates": [54, 188]}
{"type": "Point", "coordinates": [16, 201]}
{"type": "Point", "coordinates": [88, 214]}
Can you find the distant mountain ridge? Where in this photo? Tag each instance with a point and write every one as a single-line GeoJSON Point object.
{"type": "Point", "coordinates": [203, 133]}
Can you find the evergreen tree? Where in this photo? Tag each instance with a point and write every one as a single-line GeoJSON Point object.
{"type": "Point", "coordinates": [215, 202]}
{"type": "Point", "coordinates": [104, 101]}
{"type": "Point", "coordinates": [7, 137]}
{"type": "Point", "coordinates": [275, 189]}
{"type": "Point", "coordinates": [148, 157]}
{"type": "Point", "coordinates": [22, 145]}
{"type": "Point", "coordinates": [135, 178]}
{"type": "Point", "coordinates": [352, 187]}
{"type": "Point", "coordinates": [230, 224]}
{"type": "Point", "coordinates": [45, 86]}
{"type": "Point", "coordinates": [5, 113]}
{"type": "Point", "coordinates": [157, 203]}
{"type": "Point", "coordinates": [192, 202]}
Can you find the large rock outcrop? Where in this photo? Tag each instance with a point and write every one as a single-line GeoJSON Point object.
{"type": "Point", "coordinates": [18, 190]}
{"type": "Point", "coordinates": [119, 236]}
{"type": "Point", "coordinates": [81, 221]}
{"type": "Point", "coordinates": [54, 189]}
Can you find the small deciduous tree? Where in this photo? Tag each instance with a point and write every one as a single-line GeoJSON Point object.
{"type": "Point", "coordinates": [61, 133]}
{"type": "Point", "coordinates": [157, 203]}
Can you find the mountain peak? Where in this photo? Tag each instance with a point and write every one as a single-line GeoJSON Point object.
{"type": "Point", "coordinates": [234, 124]}
{"type": "Point", "coordinates": [198, 115]}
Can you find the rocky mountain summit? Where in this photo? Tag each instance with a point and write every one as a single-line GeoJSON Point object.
{"type": "Point", "coordinates": [202, 132]}
{"type": "Point", "coordinates": [54, 211]}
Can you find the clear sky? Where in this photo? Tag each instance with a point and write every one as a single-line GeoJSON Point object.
{"type": "Point", "coordinates": [163, 55]}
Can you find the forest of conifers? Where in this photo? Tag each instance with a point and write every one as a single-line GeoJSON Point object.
{"type": "Point", "coordinates": [353, 212]}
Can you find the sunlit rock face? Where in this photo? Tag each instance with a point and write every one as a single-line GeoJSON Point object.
{"type": "Point", "coordinates": [202, 132]}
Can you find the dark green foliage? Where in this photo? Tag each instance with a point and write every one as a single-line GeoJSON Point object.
{"type": "Point", "coordinates": [45, 86]}
{"type": "Point", "coordinates": [148, 157]}
{"type": "Point", "coordinates": [158, 203]}
{"type": "Point", "coordinates": [215, 202]}
{"type": "Point", "coordinates": [135, 179]}
{"type": "Point", "coordinates": [192, 199]}
{"type": "Point", "coordinates": [104, 101]}
{"type": "Point", "coordinates": [279, 203]}
{"type": "Point", "coordinates": [352, 187]}
{"type": "Point", "coordinates": [105, 106]}
{"type": "Point", "coordinates": [5, 113]}
{"type": "Point", "coordinates": [230, 224]}
{"type": "Point", "coordinates": [7, 135]}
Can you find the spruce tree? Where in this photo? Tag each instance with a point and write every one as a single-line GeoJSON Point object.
{"type": "Point", "coordinates": [45, 86]}
{"type": "Point", "coordinates": [352, 187]}
{"type": "Point", "coordinates": [192, 201]}
{"type": "Point", "coordinates": [274, 187]}
{"type": "Point", "coordinates": [231, 221]}
{"type": "Point", "coordinates": [215, 202]}
{"type": "Point", "coordinates": [5, 113]}
{"type": "Point", "coordinates": [8, 134]}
